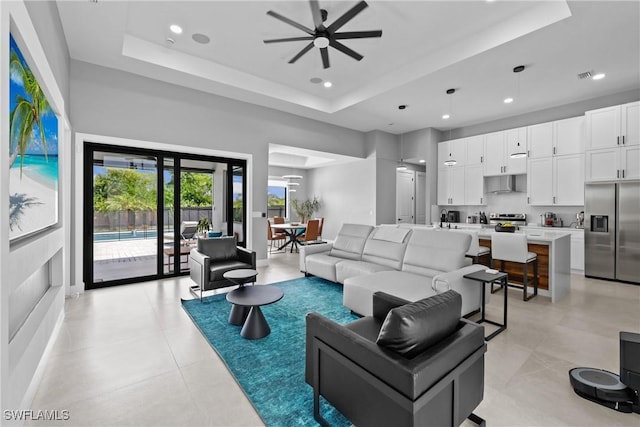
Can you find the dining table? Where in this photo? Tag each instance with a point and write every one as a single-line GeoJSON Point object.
{"type": "Point", "coordinates": [293, 231]}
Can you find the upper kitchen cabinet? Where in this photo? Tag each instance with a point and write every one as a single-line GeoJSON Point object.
{"type": "Point", "coordinates": [568, 136]}
{"type": "Point", "coordinates": [475, 150]}
{"type": "Point", "coordinates": [452, 150]}
{"type": "Point", "coordinates": [613, 143]}
{"type": "Point", "coordinates": [613, 126]}
{"type": "Point", "coordinates": [501, 151]}
{"type": "Point", "coordinates": [559, 138]}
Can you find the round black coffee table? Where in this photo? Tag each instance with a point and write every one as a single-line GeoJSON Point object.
{"type": "Point", "coordinates": [255, 326]}
{"type": "Point", "coordinates": [240, 277]}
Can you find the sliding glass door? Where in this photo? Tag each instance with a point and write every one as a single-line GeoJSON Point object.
{"type": "Point", "coordinates": [144, 211]}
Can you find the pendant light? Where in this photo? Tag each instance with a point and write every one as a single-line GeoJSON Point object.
{"type": "Point", "coordinates": [520, 151]}
{"type": "Point", "coordinates": [450, 160]}
{"type": "Point", "coordinates": [402, 166]}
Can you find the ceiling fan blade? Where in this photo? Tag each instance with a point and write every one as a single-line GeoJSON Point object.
{"type": "Point", "coordinates": [324, 52]}
{"type": "Point", "coordinates": [348, 16]}
{"type": "Point", "coordinates": [306, 49]}
{"type": "Point", "coordinates": [291, 22]}
{"type": "Point", "coordinates": [357, 34]}
{"type": "Point", "coordinates": [342, 48]}
{"type": "Point", "coordinates": [289, 39]}
{"type": "Point", "coordinates": [317, 15]}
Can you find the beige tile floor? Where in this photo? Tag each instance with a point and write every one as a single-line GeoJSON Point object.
{"type": "Point", "coordinates": [130, 356]}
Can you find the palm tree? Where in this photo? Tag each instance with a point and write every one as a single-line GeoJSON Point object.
{"type": "Point", "coordinates": [27, 113]}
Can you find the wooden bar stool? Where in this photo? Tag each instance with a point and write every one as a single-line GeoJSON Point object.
{"type": "Point", "coordinates": [513, 247]}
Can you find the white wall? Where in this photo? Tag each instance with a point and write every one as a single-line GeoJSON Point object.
{"type": "Point", "coordinates": [117, 104]}
{"type": "Point", "coordinates": [347, 194]}
{"type": "Point", "coordinates": [35, 270]}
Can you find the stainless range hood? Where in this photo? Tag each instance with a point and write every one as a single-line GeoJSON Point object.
{"type": "Point", "coordinates": [500, 184]}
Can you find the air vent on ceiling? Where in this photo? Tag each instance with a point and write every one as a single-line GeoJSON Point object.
{"type": "Point", "coordinates": [585, 75]}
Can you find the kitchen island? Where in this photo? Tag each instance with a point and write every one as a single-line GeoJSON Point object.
{"type": "Point", "coordinates": [554, 259]}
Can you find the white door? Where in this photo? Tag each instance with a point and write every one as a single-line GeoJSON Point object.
{"type": "Point", "coordinates": [630, 162]}
{"type": "Point", "coordinates": [421, 198]}
{"type": "Point", "coordinates": [457, 185]}
{"type": "Point", "coordinates": [475, 150]}
{"type": "Point", "coordinates": [405, 197]}
{"type": "Point", "coordinates": [569, 180]}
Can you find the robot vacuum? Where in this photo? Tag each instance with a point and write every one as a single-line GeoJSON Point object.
{"type": "Point", "coordinates": [608, 389]}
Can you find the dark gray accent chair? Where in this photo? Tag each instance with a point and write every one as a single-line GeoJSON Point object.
{"type": "Point", "coordinates": [398, 382]}
{"type": "Point", "coordinates": [214, 257]}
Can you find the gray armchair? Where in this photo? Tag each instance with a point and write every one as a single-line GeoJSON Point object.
{"type": "Point", "coordinates": [214, 257]}
{"type": "Point", "coordinates": [421, 366]}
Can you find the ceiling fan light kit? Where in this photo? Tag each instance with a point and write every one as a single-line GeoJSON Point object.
{"type": "Point", "coordinates": [322, 37]}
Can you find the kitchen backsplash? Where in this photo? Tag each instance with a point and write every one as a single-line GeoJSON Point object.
{"type": "Point", "coordinates": [516, 202]}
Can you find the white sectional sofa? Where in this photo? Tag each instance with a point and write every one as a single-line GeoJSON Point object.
{"type": "Point", "coordinates": [411, 263]}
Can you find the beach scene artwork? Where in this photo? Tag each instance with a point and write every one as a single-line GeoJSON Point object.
{"type": "Point", "coordinates": [33, 152]}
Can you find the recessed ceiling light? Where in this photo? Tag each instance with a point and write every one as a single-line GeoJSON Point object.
{"type": "Point", "coordinates": [422, 161]}
{"type": "Point", "coordinates": [598, 76]}
{"type": "Point", "coordinates": [170, 40]}
{"type": "Point", "coordinates": [402, 106]}
{"type": "Point", "coordinates": [176, 29]}
{"type": "Point", "coordinates": [200, 38]}
{"type": "Point", "coordinates": [327, 84]}
{"type": "Point", "coordinates": [508, 100]}
{"type": "Point", "coordinates": [446, 116]}
{"type": "Point", "coordinates": [315, 80]}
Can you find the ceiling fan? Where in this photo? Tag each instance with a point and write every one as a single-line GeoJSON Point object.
{"type": "Point", "coordinates": [322, 36]}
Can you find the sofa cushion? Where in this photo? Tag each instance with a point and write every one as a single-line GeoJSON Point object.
{"type": "Point", "coordinates": [350, 241]}
{"type": "Point", "coordinates": [358, 291]}
{"type": "Point", "coordinates": [430, 252]}
{"type": "Point", "coordinates": [386, 246]}
{"type": "Point", "coordinates": [323, 265]}
{"type": "Point", "coordinates": [412, 328]}
{"type": "Point", "coordinates": [218, 268]}
{"type": "Point", "coordinates": [349, 268]}
{"type": "Point", "coordinates": [219, 249]}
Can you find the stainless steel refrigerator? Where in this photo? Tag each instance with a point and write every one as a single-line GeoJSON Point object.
{"type": "Point", "coordinates": [612, 231]}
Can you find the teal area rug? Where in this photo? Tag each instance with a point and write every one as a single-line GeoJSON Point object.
{"type": "Point", "coordinates": [271, 369]}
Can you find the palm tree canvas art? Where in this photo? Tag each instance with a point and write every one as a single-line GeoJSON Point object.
{"type": "Point", "coordinates": [33, 151]}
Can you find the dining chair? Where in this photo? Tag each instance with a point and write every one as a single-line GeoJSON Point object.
{"type": "Point", "coordinates": [271, 236]}
{"type": "Point", "coordinates": [312, 232]}
{"type": "Point", "coordinates": [513, 247]}
{"type": "Point", "coordinates": [321, 219]}
{"type": "Point", "coordinates": [278, 220]}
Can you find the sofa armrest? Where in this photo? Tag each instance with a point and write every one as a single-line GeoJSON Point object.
{"type": "Point", "coordinates": [470, 290]}
{"type": "Point", "coordinates": [411, 377]}
{"type": "Point", "coordinates": [199, 266]}
{"type": "Point", "coordinates": [306, 250]}
{"type": "Point", "coordinates": [383, 303]}
{"type": "Point", "coordinates": [247, 256]}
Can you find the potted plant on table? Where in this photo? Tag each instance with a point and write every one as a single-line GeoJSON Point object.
{"type": "Point", "coordinates": [306, 208]}
{"type": "Point", "coordinates": [204, 225]}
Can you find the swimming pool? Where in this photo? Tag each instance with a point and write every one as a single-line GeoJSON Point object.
{"type": "Point", "coordinates": [125, 235]}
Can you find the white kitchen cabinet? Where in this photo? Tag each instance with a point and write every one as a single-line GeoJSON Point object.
{"type": "Point", "coordinates": [557, 180]}
{"type": "Point", "coordinates": [540, 140]}
{"type": "Point", "coordinates": [499, 146]}
{"type": "Point", "coordinates": [613, 126]}
{"type": "Point", "coordinates": [568, 136]}
{"type": "Point", "coordinates": [577, 250]}
{"type": "Point", "coordinates": [612, 164]}
{"type": "Point", "coordinates": [475, 150]}
{"type": "Point", "coordinates": [451, 185]}
{"type": "Point", "coordinates": [540, 182]}
{"type": "Point", "coordinates": [568, 177]}
{"type": "Point", "coordinates": [474, 185]}
{"type": "Point", "coordinates": [454, 149]}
